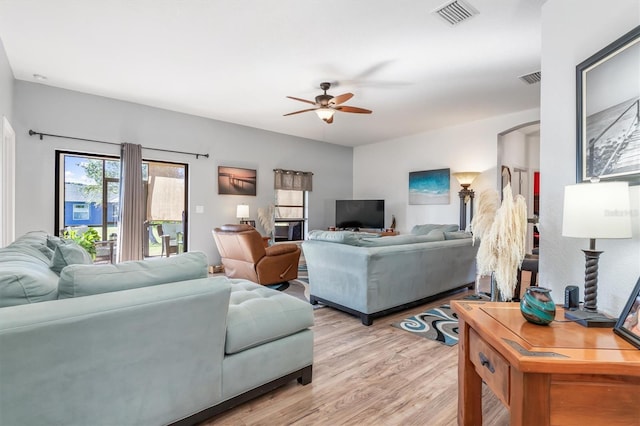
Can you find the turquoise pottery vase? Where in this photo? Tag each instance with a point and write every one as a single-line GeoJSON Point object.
{"type": "Point", "coordinates": [537, 306]}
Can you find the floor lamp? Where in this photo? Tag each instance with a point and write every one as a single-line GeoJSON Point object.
{"type": "Point", "coordinates": [466, 196]}
{"type": "Point", "coordinates": [595, 210]}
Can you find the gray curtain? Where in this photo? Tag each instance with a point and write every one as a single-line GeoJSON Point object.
{"type": "Point", "coordinates": [132, 213]}
{"type": "Point", "coordinates": [292, 180]}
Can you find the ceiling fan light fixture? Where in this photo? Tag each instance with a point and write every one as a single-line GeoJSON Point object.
{"type": "Point", "coordinates": [325, 113]}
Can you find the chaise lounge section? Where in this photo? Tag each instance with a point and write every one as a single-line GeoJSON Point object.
{"type": "Point", "coordinates": [152, 342]}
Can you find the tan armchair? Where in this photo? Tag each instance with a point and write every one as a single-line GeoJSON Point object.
{"type": "Point", "coordinates": [243, 255]}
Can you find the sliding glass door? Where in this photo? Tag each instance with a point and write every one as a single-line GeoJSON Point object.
{"type": "Point", "coordinates": [88, 196]}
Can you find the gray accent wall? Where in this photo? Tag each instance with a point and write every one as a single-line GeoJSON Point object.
{"type": "Point", "coordinates": [57, 111]}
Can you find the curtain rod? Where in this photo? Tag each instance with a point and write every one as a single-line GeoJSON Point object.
{"type": "Point", "coordinates": [31, 133]}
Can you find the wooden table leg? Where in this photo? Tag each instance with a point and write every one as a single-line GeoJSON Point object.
{"type": "Point", "coordinates": [529, 400]}
{"type": "Point", "coordinates": [469, 383]}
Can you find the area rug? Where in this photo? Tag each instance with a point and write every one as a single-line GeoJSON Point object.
{"type": "Point", "coordinates": [439, 324]}
{"type": "Point", "coordinates": [299, 287]}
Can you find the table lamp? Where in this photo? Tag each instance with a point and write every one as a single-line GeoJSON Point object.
{"type": "Point", "coordinates": [466, 196]}
{"type": "Point", "coordinates": [242, 212]}
{"type": "Point", "coordinates": [595, 210]}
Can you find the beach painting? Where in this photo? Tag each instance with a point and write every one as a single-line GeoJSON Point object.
{"type": "Point", "coordinates": [429, 187]}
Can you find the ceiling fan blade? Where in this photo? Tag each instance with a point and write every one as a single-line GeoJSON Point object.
{"type": "Point", "coordinates": [337, 100]}
{"type": "Point", "coordinates": [301, 100]}
{"type": "Point", "coordinates": [298, 112]}
{"type": "Point", "coordinates": [353, 109]}
{"type": "Point", "coordinates": [328, 120]}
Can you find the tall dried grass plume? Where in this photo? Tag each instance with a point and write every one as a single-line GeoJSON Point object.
{"type": "Point", "coordinates": [502, 230]}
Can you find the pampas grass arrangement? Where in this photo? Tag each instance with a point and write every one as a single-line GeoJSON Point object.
{"type": "Point", "coordinates": [266, 218]}
{"type": "Point", "coordinates": [502, 231]}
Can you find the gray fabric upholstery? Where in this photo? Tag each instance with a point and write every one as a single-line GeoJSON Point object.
{"type": "Point", "coordinates": [250, 304]}
{"type": "Point", "coordinates": [25, 276]}
{"type": "Point", "coordinates": [145, 356]}
{"type": "Point", "coordinates": [85, 280]}
{"type": "Point", "coordinates": [428, 227]}
{"type": "Point", "coordinates": [69, 254]}
{"type": "Point", "coordinates": [373, 279]}
{"type": "Point", "coordinates": [135, 351]}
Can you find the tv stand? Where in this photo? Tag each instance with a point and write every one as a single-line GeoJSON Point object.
{"type": "Point", "coordinates": [380, 232]}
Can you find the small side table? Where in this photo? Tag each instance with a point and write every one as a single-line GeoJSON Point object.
{"type": "Point", "coordinates": [560, 374]}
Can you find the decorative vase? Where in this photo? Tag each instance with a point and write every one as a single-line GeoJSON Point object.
{"type": "Point", "coordinates": [537, 306]}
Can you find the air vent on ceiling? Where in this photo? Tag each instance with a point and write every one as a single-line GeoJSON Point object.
{"type": "Point", "coordinates": [532, 78]}
{"type": "Point", "coordinates": [456, 11]}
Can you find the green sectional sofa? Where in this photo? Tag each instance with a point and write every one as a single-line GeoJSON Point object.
{"type": "Point", "coordinates": [370, 276]}
{"type": "Point", "coordinates": [138, 343]}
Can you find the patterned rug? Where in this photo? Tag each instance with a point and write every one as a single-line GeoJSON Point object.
{"type": "Point", "coordinates": [299, 287]}
{"type": "Point", "coordinates": [439, 324]}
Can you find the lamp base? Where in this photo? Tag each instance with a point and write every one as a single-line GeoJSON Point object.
{"type": "Point", "coordinates": [590, 319]}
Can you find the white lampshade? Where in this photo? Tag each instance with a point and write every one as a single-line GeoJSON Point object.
{"type": "Point", "coordinates": [466, 178]}
{"type": "Point", "coordinates": [597, 210]}
{"type": "Point", "coordinates": [242, 211]}
{"type": "Point", "coordinates": [325, 113]}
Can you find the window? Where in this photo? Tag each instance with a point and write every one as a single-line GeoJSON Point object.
{"type": "Point", "coordinates": [290, 215]}
{"type": "Point", "coordinates": [88, 196]}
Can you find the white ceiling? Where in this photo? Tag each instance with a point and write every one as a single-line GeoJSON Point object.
{"type": "Point", "coordinates": [237, 61]}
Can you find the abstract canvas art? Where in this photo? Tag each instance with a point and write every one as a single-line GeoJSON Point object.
{"type": "Point", "coordinates": [429, 187]}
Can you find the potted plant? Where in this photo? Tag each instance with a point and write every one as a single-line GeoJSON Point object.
{"type": "Point", "coordinates": [86, 240]}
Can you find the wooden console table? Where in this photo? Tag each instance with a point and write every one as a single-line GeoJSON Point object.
{"type": "Point", "coordinates": [560, 374]}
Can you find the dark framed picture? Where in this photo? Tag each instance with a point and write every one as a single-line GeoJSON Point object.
{"type": "Point", "coordinates": [628, 325]}
{"type": "Point", "coordinates": [236, 181]}
{"type": "Point", "coordinates": [608, 112]}
{"type": "Point", "coordinates": [429, 186]}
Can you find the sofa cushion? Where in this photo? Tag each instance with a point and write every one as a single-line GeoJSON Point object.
{"type": "Point", "coordinates": [25, 276]}
{"type": "Point", "coordinates": [69, 253]}
{"type": "Point", "coordinates": [341, 237]}
{"type": "Point", "coordinates": [85, 280]}
{"type": "Point", "coordinates": [426, 228]}
{"type": "Point", "coordinates": [457, 235]}
{"type": "Point", "coordinates": [259, 315]}
{"type": "Point", "coordinates": [434, 235]}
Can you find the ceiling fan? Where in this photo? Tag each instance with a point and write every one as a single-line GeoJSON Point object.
{"type": "Point", "coordinates": [327, 105]}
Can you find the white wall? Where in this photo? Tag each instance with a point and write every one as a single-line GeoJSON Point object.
{"type": "Point", "coordinates": [6, 85]}
{"type": "Point", "coordinates": [56, 111]}
{"type": "Point", "coordinates": [573, 30]}
{"type": "Point", "coordinates": [382, 170]}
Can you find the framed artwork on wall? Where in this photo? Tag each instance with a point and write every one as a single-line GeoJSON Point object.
{"type": "Point", "coordinates": [236, 181]}
{"type": "Point", "coordinates": [608, 112]}
{"type": "Point", "coordinates": [429, 187]}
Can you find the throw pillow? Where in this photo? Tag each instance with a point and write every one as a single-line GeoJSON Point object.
{"type": "Point", "coordinates": [69, 254]}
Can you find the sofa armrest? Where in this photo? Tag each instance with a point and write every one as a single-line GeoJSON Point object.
{"type": "Point", "coordinates": [82, 359]}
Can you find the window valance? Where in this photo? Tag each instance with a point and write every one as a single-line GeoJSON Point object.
{"type": "Point", "coordinates": [292, 180]}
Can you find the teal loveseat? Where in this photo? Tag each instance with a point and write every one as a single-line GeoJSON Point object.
{"type": "Point", "coordinates": [138, 343]}
{"type": "Point", "coordinates": [370, 276]}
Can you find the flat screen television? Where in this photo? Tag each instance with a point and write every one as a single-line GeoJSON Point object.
{"type": "Point", "coordinates": [354, 214]}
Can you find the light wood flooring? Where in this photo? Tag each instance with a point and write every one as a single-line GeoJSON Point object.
{"type": "Point", "coordinates": [377, 375]}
